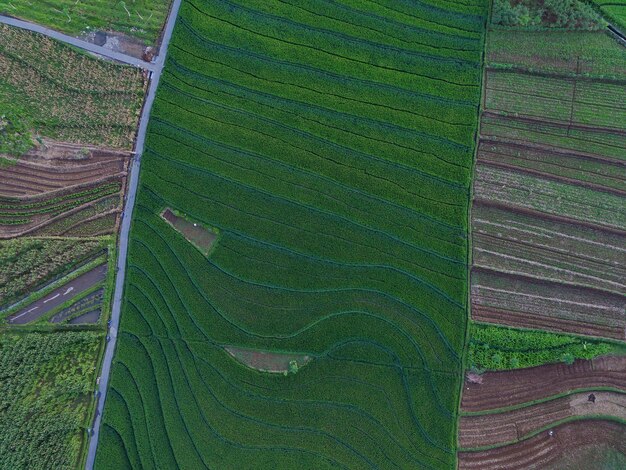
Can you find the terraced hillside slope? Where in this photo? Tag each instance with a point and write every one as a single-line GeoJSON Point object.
{"type": "Point", "coordinates": [549, 212]}
{"type": "Point", "coordinates": [545, 416]}
{"type": "Point", "coordinates": [331, 151]}
{"type": "Point", "coordinates": [60, 189]}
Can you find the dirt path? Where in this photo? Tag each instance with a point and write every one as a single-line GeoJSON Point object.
{"type": "Point", "coordinates": [58, 296]}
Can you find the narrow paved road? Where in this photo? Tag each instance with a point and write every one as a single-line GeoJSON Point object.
{"type": "Point", "coordinates": [87, 46]}
{"type": "Point", "coordinates": [60, 295]}
{"type": "Point", "coordinates": [124, 233]}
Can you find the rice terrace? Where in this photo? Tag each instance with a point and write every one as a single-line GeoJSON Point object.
{"type": "Point", "coordinates": [310, 234]}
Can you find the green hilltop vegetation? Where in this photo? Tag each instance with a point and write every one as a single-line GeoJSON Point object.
{"type": "Point", "coordinates": [331, 145]}
{"type": "Point", "coordinates": [499, 348]}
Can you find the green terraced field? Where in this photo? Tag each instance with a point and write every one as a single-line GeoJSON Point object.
{"type": "Point", "coordinates": [332, 150]}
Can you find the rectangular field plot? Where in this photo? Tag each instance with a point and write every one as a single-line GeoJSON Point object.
{"type": "Point", "coordinates": [332, 149]}
{"type": "Point", "coordinates": [549, 211]}
{"type": "Point", "coordinates": [67, 95]}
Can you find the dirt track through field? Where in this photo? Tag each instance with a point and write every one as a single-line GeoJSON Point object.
{"type": "Point", "coordinates": [59, 296]}
{"type": "Point", "coordinates": [544, 450]}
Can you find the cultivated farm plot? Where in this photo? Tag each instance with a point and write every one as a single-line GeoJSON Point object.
{"type": "Point", "coordinates": [508, 388]}
{"type": "Point", "coordinates": [568, 445]}
{"type": "Point", "coordinates": [67, 95]}
{"type": "Point", "coordinates": [549, 212]}
{"type": "Point", "coordinates": [28, 263]}
{"type": "Point", "coordinates": [501, 414]}
{"type": "Point", "coordinates": [142, 19]}
{"type": "Point", "coordinates": [496, 428]}
{"type": "Point", "coordinates": [332, 152]}
{"type": "Point", "coordinates": [58, 165]}
{"type": "Point", "coordinates": [61, 189]}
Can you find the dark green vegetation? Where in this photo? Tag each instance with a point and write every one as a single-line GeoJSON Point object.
{"type": "Point", "coordinates": [27, 263]}
{"type": "Point", "coordinates": [564, 14]}
{"type": "Point", "coordinates": [60, 93]}
{"type": "Point", "coordinates": [332, 148]}
{"type": "Point", "coordinates": [139, 18]}
{"type": "Point", "coordinates": [46, 389]}
{"type": "Point", "coordinates": [500, 348]}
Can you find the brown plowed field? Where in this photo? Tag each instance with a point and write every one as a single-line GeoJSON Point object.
{"type": "Point", "coordinates": [60, 166]}
{"type": "Point", "coordinates": [492, 429]}
{"type": "Point", "coordinates": [544, 450]}
{"type": "Point", "coordinates": [522, 301]}
{"type": "Point", "coordinates": [512, 387]}
{"type": "Point", "coordinates": [549, 191]}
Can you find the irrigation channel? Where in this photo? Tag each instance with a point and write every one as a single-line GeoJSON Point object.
{"type": "Point", "coordinates": [155, 67]}
{"type": "Point", "coordinates": [60, 295]}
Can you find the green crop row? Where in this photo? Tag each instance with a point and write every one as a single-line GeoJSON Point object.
{"type": "Point", "coordinates": [332, 151]}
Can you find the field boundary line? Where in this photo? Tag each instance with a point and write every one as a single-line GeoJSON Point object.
{"type": "Point", "coordinates": [81, 44]}
{"type": "Point", "coordinates": [132, 182]}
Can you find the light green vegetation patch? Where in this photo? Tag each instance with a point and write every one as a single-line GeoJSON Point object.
{"type": "Point", "coordinates": [46, 391]}
{"type": "Point", "coordinates": [26, 263]}
{"type": "Point", "coordinates": [67, 95]}
{"type": "Point", "coordinates": [501, 348]}
{"type": "Point", "coordinates": [331, 145]}
{"type": "Point", "coordinates": [142, 19]}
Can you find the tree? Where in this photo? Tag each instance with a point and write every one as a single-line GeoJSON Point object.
{"type": "Point", "coordinates": [568, 358]}
{"type": "Point", "coordinates": [15, 135]}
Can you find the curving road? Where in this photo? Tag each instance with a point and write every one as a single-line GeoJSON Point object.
{"type": "Point", "coordinates": [124, 232]}
{"type": "Point", "coordinates": [155, 68]}
{"type": "Point", "coordinates": [87, 46]}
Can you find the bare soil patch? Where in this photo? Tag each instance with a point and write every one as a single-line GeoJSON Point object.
{"type": "Point", "coordinates": [267, 361]}
{"type": "Point", "coordinates": [200, 236]}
